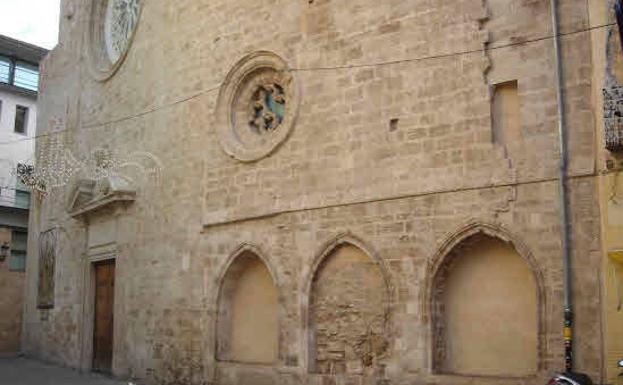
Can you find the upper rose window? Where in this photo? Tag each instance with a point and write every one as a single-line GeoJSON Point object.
{"type": "Point", "coordinates": [121, 19]}
{"type": "Point", "coordinates": [112, 29]}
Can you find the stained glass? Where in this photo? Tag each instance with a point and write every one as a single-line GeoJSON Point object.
{"type": "Point", "coordinates": [268, 108]}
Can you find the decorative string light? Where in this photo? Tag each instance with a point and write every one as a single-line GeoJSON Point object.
{"type": "Point", "coordinates": [56, 166]}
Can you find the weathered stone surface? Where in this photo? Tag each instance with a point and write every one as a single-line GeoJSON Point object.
{"type": "Point", "coordinates": [349, 313]}
{"type": "Point", "coordinates": [29, 372]}
{"type": "Point", "coordinates": [248, 319]}
{"type": "Point", "coordinates": [11, 302]}
{"type": "Point", "coordinates": [344, 172]}
{"type": "Point", "coordinates": [487, 276]}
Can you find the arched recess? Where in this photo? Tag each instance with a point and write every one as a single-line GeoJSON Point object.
{"type": "Point", "coordinates": [486, 305]}
{"type": "Point", "coordinates": [247, 327]}
{"type": "Point", "coordinates": [348, 309]}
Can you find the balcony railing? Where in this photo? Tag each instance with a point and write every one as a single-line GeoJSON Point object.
{"type": "Point", "coordinates": [613, 118]}
{"type": "Point", "coordinates": [17, 199]}
{"type": "Point", "coordinates": [19, 74]}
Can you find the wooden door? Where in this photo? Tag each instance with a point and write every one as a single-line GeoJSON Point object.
{"type": "Point", "coordinates": [104, 316]}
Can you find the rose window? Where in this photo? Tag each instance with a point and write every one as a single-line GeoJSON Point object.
{"type": "Point", "coordinates": [257, 106]}
{"type": "Point", "coordinates": [121, 20]}
{"type": "Point", "coordinates": [112, 26]}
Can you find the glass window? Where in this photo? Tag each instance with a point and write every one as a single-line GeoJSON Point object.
{"type": "Point", "coordinates": [26, 76]}
{"type": "Point", "coordinates": [17, 262]}
{"type": "Point", "coordinates": [22, 199]}
{"type": "Point", "coordinates": [19, 242]}
{"type": "Point", "coordinates": [21, 119]}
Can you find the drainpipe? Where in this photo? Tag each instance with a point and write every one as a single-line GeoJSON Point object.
{"type": "Point", "coordinates": [564, 194]}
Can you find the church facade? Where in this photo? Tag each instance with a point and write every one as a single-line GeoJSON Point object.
{"type": "Point", "coordinates": [324, 192]}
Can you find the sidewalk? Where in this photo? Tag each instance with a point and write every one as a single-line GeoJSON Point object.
{"type": "Point", "coordinates": [22, 371]}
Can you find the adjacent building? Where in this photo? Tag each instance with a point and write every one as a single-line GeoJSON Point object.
{"type": "Point", "coordinates": [19, 77]}
{"type": "Point", "coordinates": [607, 58]}
{"type": "Point", "coordinates": [328, 192]}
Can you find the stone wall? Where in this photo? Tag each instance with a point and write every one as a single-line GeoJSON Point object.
{"type": "Point", "coordinates": [486, 311]}
{"type": "Point", "coordinates": [248, 319]}
{"type": "Point", "coordinates": [348, 313]}
{"type": "Point", "coordinates": [11, 303]}
{"type": "Point", "coordinates": [390, 150]}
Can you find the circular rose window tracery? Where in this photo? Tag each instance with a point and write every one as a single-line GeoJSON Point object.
{"type": "Point", "coordinates": [121, 19]}
{"type": "Point", "coordinates": [257, 107]}
{"type": "Point", "coordinates": [112, 29]}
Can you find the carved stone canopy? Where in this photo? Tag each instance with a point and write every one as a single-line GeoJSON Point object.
{"type": "Point", "coordinates": [89, 196]}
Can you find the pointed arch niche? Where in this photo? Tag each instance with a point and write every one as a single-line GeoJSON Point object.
{"type": "Point", "coordinates": [348, 311]}
{"type": "Point", "coordinates": [247, 329]}
{"type": "Point", "coordinates": [486, 307]}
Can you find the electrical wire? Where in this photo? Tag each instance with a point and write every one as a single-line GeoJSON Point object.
{"type": "Point", "coordinates": [458, 53]}
{"type": "Point", "coordinates": [308, 69]}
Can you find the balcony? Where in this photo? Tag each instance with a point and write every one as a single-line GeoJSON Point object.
{"type": "Point", "coordinates": [19, 74]}
{"type": "Point", "coordinates": [613, 118]}
{"type": "Point", "coordinates": [17, 199]}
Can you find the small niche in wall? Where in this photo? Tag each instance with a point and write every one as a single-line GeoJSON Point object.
{"type": "Point", "coordinates": [485, 311]}
{"type": "Point", "coordinates": [506, 113]}
{"type": "Point", "coordinates": [248, 322]}
{"type": "Point", "coordinates": [393, 124]}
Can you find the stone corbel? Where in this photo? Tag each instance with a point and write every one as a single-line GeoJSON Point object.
{"type": "Point", "coordinates": [89, 196]}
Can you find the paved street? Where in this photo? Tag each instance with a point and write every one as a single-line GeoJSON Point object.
{"type": "Point", "coordinates": [21, 371]}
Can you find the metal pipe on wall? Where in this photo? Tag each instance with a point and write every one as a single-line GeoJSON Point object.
{"type": "Point", "coordinates": [564, 193]}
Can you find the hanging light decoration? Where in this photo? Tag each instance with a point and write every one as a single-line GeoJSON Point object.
{"type": "Point", "coordinates": [55, 165]}
{"type": "Point", "coordinates": [101, 163]}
